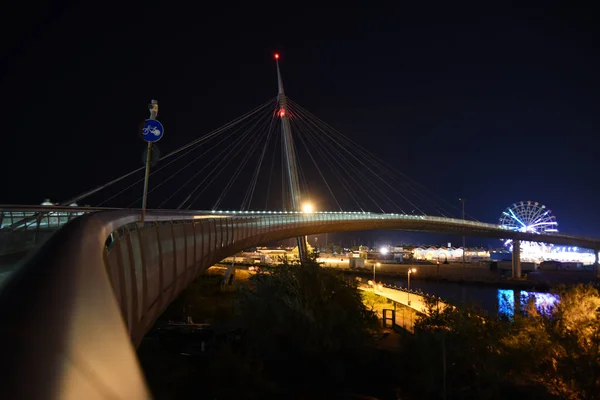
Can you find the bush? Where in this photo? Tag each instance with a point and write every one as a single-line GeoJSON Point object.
{"type": "Point", "coordinates": [306, 321]}
{"type": "Point", "coordinates": [554, 355]}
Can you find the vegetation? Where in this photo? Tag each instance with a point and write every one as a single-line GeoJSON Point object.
{"type": "Point", "coordinates": [203, 301]}
{"type": "Point", "coordinates": [547, 355]}
{"type": "Point", "coordinates": [308, 333]}
{"type": "Point", "coordinates": [309, 326]}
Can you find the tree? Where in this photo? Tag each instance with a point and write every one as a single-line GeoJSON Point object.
{"type": "Point", "coordinates": [553, 353]}
{"type": "Point", "coordinates": [466, 340]}
{"type": "Point", "coordinates": [560, 349]}
{"type": "Point", "coordinates": [306, 321]}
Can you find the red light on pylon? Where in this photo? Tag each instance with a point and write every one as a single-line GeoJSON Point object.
{"type": "Point", "coordinates": [281, 113]}
{"type": "Point", "coordinates": [277, 56]}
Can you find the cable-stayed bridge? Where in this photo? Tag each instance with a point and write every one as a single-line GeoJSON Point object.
{"type": "Point", "coordinates": [101, 277]}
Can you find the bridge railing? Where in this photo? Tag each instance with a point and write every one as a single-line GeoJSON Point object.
{"type": "Point", "coordinates": [367, 216]}
{"type": "Point", "coordinates": [36, 220]}
{"type": "Point", "coordinates": [97, 285]}
{"type": "Point", "coordinates": [23, 228]}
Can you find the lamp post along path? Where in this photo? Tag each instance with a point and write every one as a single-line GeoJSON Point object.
{"type": "Point", "coordinates": [462, 200]}
{"type": "Point", "coordinates": [410, 271]}
{"type": "Point", "coordinates": [375, 265]}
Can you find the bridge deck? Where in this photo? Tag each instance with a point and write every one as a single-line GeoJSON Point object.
{"type": "Point", "coordinates": [417, 301]}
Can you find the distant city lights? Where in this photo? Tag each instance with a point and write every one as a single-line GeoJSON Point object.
{"type": "Point", "coordinates": [544, 302]}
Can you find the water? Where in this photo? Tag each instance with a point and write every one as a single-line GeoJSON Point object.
{"type": "Point", "coordinates": [492, 299]}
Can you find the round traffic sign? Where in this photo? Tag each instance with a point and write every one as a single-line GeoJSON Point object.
{"type": "Point", "coordinates": [152, 130]}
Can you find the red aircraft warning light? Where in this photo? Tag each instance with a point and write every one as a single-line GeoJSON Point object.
{"type": "Point", "coordinates": [281, 113]}
{"type": "Point", "coordinates": [276, 56]}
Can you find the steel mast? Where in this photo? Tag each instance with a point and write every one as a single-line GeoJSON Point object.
{"type": "Point", "coordinates": [290, 158]}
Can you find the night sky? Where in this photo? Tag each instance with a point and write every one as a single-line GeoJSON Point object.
{"type": "Point", "coordinates": [495, 105]}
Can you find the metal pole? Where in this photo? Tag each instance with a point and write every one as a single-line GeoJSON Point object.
{"type": "Point", "coordinates": [153, 107]}
{"type": "Point", "coordinates": [444, 363]}
{"type": "Point", "coordinates": [463, 238]}
{"type": "Point", "coordinates": [373, 274]}
{"type": "Point", "coordinates": [289, 156]}
{"type": "Point", "coordinates": [146, 179]}
{"type": "Point", "coordinates": [408, 287]}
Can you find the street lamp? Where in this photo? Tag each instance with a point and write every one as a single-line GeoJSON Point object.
{"type": "Point", "coordinates": [307, 208]}
{"type": "Point", "coordinates": [410, 271]}
{"type": "Point", "coordinates": [375, 265]}
{"type": "Point", "coordinates": [462, 200]}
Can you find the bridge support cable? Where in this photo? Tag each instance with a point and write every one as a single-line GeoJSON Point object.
{"type": "Point", "coordinates": [340, 173]}
{"type": "Point", "coordinates": [284, 182]}
{"type": "Point", "coordinates": [347, 144]}
{"type": "Point", "coordinates": [248, 154]}
{"type": "Point", "coordinates": [386, 169]}
{"type": "Point", "coordinates": [339, 176]}
{"type": "Point", "coordinates": [370, 182]}
{"type": "Point", "coordinates": [303, 142]}
{"type": "Point", "coordinates": [247, 201]}
{"type": "Point", "coordinates": [207, 164]}
{"type": "Point", "coordinates": [353, 148]}
{"type": "Point", "coordinates": [325, 157]}
{"type": "Point", "coordinates": [220, 167]}
{"type": "Point", "coordinates": [220, 157]}
{"type": "Point", "coordinates": [275, 141]}
{"type": "Point", "coordinates": [302, 180]}
{"type": "Point", "coordinates": [189, 146]}
{"type": "Point", "coordinates": [223, 135]}
{"type": "Point", "coordinates": [368, 186]}
{"type": "Point", "coordinates": [199, 157]}
{"type": "Point", "coordinates": [224, 157]}
{"type": "Point", "coordinates": [222, 140]}
{"type": "Point", "coordinates": [328, 151]}
{"type": "Point", "coordinates": [304, 139]}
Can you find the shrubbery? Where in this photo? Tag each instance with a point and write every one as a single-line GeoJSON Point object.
{"type": "Point", "coordinates": [555, 355]}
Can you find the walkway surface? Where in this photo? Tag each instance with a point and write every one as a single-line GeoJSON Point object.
{"type": "Point", "coordinates": [414, 301]}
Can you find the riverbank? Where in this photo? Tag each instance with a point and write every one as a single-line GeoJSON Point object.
{"type": "Point", "coordinates": [469, 274]}
{"type": "Point", "coordinates": [540, 280]}
{"type": "Point", "coordinates": [184, 362]}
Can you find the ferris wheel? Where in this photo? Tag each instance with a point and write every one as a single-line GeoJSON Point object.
{"type": "Point", "coordinates": [528, 216]}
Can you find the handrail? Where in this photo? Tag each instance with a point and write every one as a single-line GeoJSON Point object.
{"type": "Point", "coordinates": [73, 312]}
{"type": "Point", "coordinates": [338, 214]}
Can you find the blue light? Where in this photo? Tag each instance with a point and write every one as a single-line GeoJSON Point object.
{"type": "Point", "coordinates": [544, 302]}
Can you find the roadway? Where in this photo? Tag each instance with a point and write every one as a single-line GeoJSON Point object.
{"type": "Point", "coordinates": [417, 302]}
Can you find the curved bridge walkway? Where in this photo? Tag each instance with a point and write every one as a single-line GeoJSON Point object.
{"type": "Point", "coordinates": [75, 310]}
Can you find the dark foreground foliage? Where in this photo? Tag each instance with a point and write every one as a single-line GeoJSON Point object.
{"type": "Point", "coordinates": [547, 356]}
{"type": "Point", "coordinates": [308, 326]}
{"type": "Point", "coordinates": [307, 334]}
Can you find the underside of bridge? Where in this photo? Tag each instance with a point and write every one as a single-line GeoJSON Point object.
{"type": "Point", "coordinates": [77, 308]}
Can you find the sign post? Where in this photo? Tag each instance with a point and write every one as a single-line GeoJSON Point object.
{"type": "Point", "coordinates": [152, 131]}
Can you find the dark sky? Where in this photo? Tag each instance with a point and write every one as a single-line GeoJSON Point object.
{"type": "Point", "coordinates": [494, 104]}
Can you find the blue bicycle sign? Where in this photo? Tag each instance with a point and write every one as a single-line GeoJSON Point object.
{"type": "Point", "coordinates": [152, 130]}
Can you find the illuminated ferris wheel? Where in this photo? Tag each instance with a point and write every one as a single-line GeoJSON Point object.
{"type": "Point", "coordinates": [528, 216]}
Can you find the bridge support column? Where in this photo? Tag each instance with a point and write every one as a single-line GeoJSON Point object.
{"type": "Point", "coordinates": [303, 248]}
{"type": "Point", "coordinates": [516, 259]}
{"type": "Point", "coordinates": [289, 155]}
{"type": "Point", "coordinates": [229, 274]}
{"type": "Point", "coordinates": [517, 302]}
